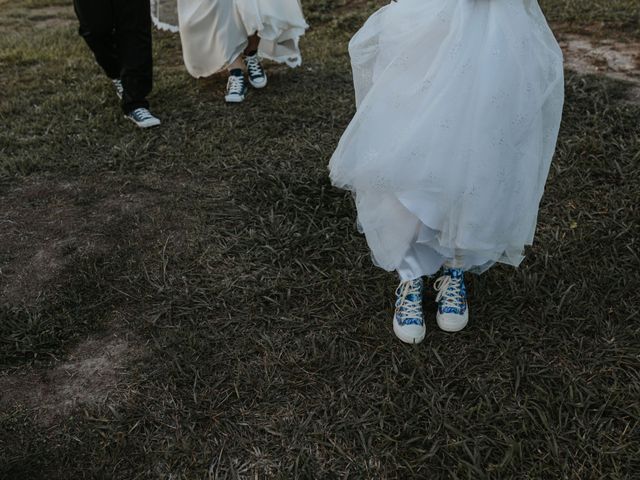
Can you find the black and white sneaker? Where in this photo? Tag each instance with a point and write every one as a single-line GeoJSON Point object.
{"type": "Point", "coordinates": [257, 75]}
{"type": "Point", "coordinates": [236, 88]}
{"type": "Point", "coordinates": [143, 118]}
{"type": "Point", "coordinates": [117, 83]}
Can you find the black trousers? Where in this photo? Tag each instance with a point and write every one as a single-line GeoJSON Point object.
{"type": "Point", "coordinates": [118, 33]}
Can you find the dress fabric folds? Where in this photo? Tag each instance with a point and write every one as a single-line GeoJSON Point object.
{"type": "Point", "coordinates": [458, 110]}
{"type": "Point", "coordinates": [214, 32]}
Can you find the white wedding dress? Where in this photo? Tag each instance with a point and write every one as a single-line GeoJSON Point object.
{"type": "Point", "coordinates": [458, 110]}
{"type": "Point", "coordinates": [214, 32]}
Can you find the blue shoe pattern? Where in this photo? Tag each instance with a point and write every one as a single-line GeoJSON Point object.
{"type": "Point", "coordinates": [452, 294]}
{"type": "Point", "coordinates": [409, 303]}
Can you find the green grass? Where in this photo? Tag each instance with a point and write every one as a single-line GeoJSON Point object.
{"type": "Point", "coordinates": [217, 246]}
{"type": "Point", "coordinates": [624, 13]}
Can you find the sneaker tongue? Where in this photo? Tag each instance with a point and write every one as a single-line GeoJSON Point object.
{"type": "Point", "coordinates": [413, 297]}
{"type": "Point", "coordinates": [455, 272]}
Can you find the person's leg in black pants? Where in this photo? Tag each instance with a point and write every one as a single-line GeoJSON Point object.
{"type": "Point", "coordinates": [97, 27]}
{"type": "Point", "coordinates": [119, 34]}
{"type": "Point", "coordinates": [133, 36]}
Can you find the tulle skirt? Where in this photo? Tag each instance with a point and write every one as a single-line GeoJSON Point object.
{"type": "Point", "coordinates": [214, 32]}
{"type": "Point", "coordinates": [458, 110]}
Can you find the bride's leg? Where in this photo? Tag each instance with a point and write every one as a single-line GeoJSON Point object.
{"type": "Point", "coordinates": [252, 46]}
{"type": "Point", "coordinates": [238, 63]}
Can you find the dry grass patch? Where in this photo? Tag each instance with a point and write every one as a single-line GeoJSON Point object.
{"type": "Point", "coordinates": [93, 375]}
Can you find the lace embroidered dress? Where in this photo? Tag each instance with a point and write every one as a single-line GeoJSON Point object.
{"type": "Point", "coordinates": [458, 110]}
{"type": "Point", "coordinates": [214, 32]}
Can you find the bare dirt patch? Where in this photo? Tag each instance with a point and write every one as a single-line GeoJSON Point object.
{"type": "Point", "coordinates": [49, 226]}
{"type": "Point", "coordinates": [590, 54]}
{"type": "Point", "coordinates": [94, 373]}
{"type": "Point", "coordinates": [75, 252]}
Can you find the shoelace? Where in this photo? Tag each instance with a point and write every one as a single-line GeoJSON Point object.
{"type": "Point", "coordinates": [254, 67]}
{"type": "Point", "coordinates": [119, 88]}
{"type": "Point", "coordinates": [141, 114]}
{"type": "Point", "coordinates": [449, 287]}
{"type": "Point", "coordinates": [404, 308]}
{"type": "Point", "coordinates": [235, 85]}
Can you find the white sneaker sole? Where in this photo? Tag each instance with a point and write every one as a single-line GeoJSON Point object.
{"type": "Point", "coordinates": [146, 124]}
{"type": "Point", "coordinates": [405, 336]}
{"type": "Point", "coordinates": [452, 323]}
{"type": "Point", "coordinates": [258, 85]}
{"type": "Point", "coordinates": [234, 98]}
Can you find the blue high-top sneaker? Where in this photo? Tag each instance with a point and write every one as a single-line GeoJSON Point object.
{"type": "Point", "coordinates": [408, 321]}
{"type": "Point", "coordinates": [453, 313]}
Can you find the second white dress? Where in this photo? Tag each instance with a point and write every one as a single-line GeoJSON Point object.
{"type": "Point", "coordinates": [214, 32]}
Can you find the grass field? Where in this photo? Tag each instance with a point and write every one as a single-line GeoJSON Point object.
{"type": "Point", "coordinates": [194, 302]}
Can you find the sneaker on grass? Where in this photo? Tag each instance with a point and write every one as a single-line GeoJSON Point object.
{"type": "Point", "coordinates": [408, 321]}
{"type": "Point", "coordinates": [257, 75]}
{"type": "Point", "coordinates": [453, 313]}
{"type": "Point", "coordinates": [143, 118]}
{"type": "Point", "coordinates": [236, 87]}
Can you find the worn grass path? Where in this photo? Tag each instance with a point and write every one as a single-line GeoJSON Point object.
{"type": "Point", "coordinates": [194, 301]}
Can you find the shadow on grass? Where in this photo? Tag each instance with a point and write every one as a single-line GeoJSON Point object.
{"type": "Point", "coordinates": [265, 330]}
